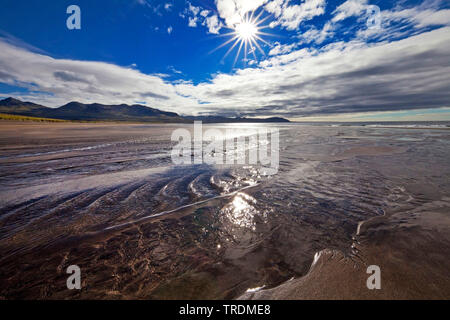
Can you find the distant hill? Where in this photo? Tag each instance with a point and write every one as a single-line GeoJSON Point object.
{"type": "Point", "coordinates": [77, 111]}
{"type": "Point", "coordinates": [14, 106]}
{"type": "Point", "coordinates": [89, 112]}
{"type": "Point", "coordinates": [122, 112]}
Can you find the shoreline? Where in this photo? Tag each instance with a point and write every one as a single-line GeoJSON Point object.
{"type": "Point", "coordinates": [48, 121]}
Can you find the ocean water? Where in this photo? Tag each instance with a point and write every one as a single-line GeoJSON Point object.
{"type": "Point", "coordinates": [109, 199]}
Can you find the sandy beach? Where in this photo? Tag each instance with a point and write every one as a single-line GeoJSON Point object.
{"type": "Point", "coordinates": [108, 198]}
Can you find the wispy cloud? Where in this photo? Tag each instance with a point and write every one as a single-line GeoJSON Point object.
{"type": "Point", "coordinates": [197, 15]}
{"type": "Point", "coordinates": [291, 16]}
{"type": "Point", "coordinates": [350, 8]}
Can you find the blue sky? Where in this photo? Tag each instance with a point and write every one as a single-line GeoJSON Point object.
{"type": "Point", "coordinates": [320, 59]}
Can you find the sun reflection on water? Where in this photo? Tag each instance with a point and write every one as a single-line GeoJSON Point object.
{"type": "Point", "coordinates": [241, 212]}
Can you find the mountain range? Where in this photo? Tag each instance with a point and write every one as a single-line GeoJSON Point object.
{"type": "Point", "coordinates": [77, 111]}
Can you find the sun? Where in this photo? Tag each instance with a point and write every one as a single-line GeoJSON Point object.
{"type": "Point", "coordinates": [246, 34]}
{"type": "Point", "coordinates": [246, 31]}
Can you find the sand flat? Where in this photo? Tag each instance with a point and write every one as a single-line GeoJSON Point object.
{"type": "Point", "coordinates": [108, 198]}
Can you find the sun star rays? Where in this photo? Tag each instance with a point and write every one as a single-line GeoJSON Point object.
{"type": "Point", "coordinates": [246, 36]}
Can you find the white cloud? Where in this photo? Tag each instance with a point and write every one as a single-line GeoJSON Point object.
{"type": "Point", "coordinates": [192, 22]}
{"type": "Point", "coordinates": [424, 15]}
{"type": "Point", "coordinates": [431, 18]}
{"type": "Point", "coordinates": [420, 18]}
{"type": "Point", "coordinates": [168, 6]}
{"type": "Point", "coordinates": [204, 13]}
{"type": "Point", "coordinates": [401, 22]}
{"type": "Point", "coordinates": [291, 16]}
{"type": "Point", "coordinates": [191, 12]}
{"type": "Point", "coordinates": [213, 24]}
{"type": "Point", "coordinates": [172, 69]}
{"type": "Point", "coordinates": [193, 9]}
{"type": "Point", "coordinates": [169, 29]}
{"type": "Point", "coordinates": [142, 2]}
{"type": "Point", "coordinates": [282, 49]}
{"type": "Point", "coordinates": [198, 15]}
{"type": "Point", "coordinates": [233, 11]}
{"type": "Point", "coordinates": [313, 35]}
{"type": "Point", "coordinates": [350, 8]}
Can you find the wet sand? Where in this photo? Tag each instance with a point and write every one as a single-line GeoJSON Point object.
{"type": "Point", "coordinates": [106, 197]}
{"type": "Point", "coordinates": [411, 247]}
